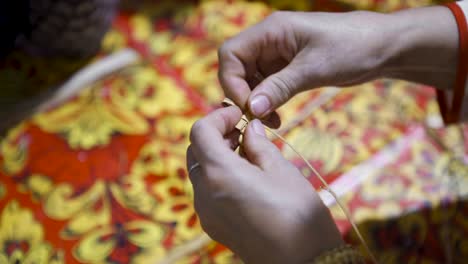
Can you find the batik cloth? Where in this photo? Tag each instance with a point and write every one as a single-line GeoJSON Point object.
{"type": "Point", "coordinates": [102, 177]}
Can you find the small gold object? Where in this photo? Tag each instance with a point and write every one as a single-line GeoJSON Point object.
{"type": "Point", "coordinates": [244, 122]}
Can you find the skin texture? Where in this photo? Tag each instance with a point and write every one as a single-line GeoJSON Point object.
{"type": "Point", "coordinates": [260, 205]}
{"type": "Point", "coordinates": [246, 203]}
{"type": "Point", "coordinates": [426, 49]}
{"type": "Point", "coordinates": [296, 51]}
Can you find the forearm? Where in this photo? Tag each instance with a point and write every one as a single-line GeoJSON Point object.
{"type": "Point", "coordinates": [423, 46]}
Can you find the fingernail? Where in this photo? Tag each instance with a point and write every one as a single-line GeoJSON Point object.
{"type": "Point", "coordinates": [258, 127]}
{"type": "Point", "coordinates": [259, 105]}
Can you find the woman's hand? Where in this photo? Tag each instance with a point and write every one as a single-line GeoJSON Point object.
{"type": "Point", "coordinates": [295, 51]}
{"type": "Point", "coordinates": [260, 206]}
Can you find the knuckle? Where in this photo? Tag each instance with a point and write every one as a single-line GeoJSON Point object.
{"type": "Point", "coordinates": [223, 57]}
{"type": "Point", "coordinates": [283, 88]}
{"type": "Point", "coordinates": [225, 49]}
{"type": "Point", "coordinates": [197, 129]}
{"type": "Point", "coordinates": [221, 117]}
{"type": "Point", "coordinates": [222, 78]}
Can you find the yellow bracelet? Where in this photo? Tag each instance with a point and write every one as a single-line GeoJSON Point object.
{"type": "Point", "coordinates": [344, 254]}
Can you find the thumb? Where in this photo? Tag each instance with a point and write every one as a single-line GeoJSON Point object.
{"type": "Point", "coordinates": [274, 91]}
{"type": "Point", "coordinates": [259, 149]}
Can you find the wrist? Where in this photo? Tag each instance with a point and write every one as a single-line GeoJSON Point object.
{"type": "Point", "coordinates": [422, 46]}
{"type": "Point", "coordinates": [327, 236]}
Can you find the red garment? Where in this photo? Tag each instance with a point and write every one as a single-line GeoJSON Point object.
{"type": "Point", "coordinates": [452, 114]}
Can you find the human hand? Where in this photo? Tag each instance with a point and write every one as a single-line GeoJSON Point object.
{"type": "Point", "coordinates": [260, 206]}
{"type": "Point", "coordinates": [295, 51]}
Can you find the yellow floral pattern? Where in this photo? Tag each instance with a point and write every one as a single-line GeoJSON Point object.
{"type": "Point", "coordinates": [102, 178]}
{"type": "Point", "coordinates": [22, 238]}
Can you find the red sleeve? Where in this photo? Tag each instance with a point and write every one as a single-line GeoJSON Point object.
{"type": "Point", "coordinates": [452, 114]}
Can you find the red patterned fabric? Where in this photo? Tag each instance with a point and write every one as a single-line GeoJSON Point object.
{"type": "Point", "coordinates": [102, 177]}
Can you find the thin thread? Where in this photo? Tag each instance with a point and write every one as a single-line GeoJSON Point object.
{"type": "Point", "coordinates": [326, 187]}
{"type": "Point", "coordinates": [329, 190]}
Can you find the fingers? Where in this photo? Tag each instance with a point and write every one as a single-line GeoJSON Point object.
{"type": "Point", "coordinates": [274, 91]}
{"type": "Point", "coordinates": [233, 77]}
{"type": "Point", "coordinates": [237, 63]}
{"type": "Point", "coordinates": [261, 151]}
{"type": "Point", "coordinates": [272, 120]}
{"type": "Point", "coordinates": [211, 136]}
{"type": "Point", "coordinates": [237, 67]}
{"type": "Point", "coordinates": [260, 50]}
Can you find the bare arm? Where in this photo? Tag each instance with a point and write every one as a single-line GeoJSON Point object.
{"type": "Point", "coordinates": [297, 51]}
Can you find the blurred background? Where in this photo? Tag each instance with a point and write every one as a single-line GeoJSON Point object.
{"type": "Point", "coordinates": [97, 100]}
